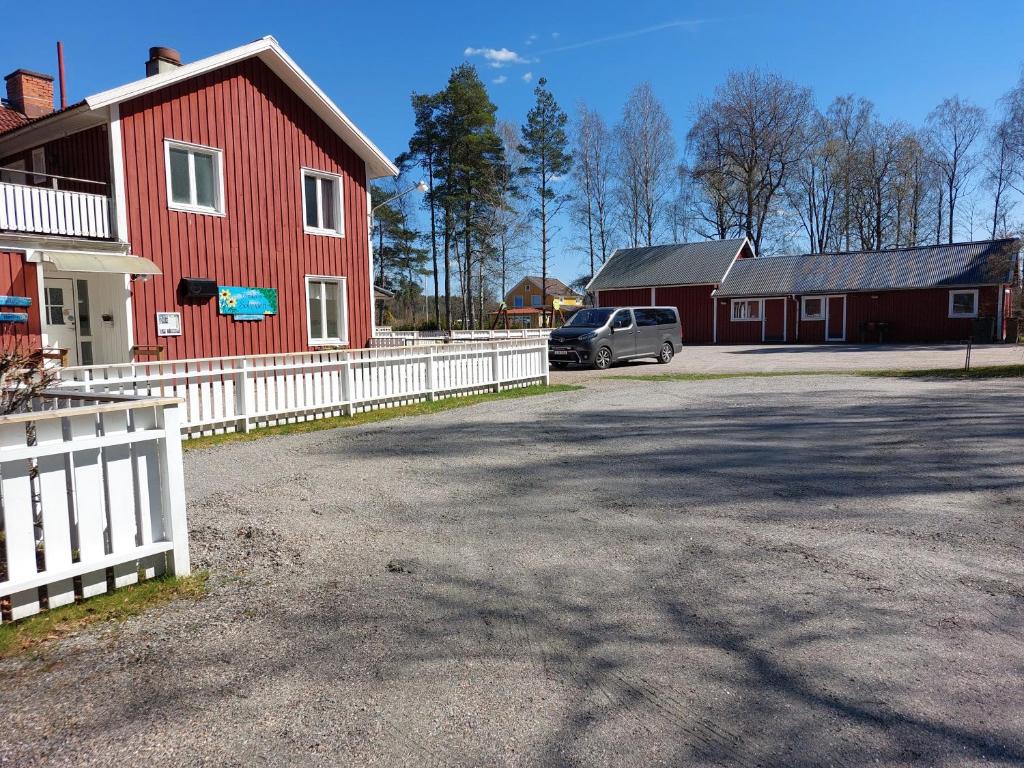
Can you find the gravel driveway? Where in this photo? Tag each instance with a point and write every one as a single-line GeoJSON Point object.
{"type": "Point", "coordinates": [755, 358]}
{"type": "Point", "coordinates": [793, 571]}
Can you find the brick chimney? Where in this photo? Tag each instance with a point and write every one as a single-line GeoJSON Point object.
{"type": "Point", "coordinates": [31, 93]}
{"type": "Point", "coordinates": [162, 60]}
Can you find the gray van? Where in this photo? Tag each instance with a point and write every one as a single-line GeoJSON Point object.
{"type": "Point", "coordinates": [600, 336]}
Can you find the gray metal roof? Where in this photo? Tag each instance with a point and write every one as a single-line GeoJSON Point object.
{"type": "Point", "coordinates": [701, 263]}
{"type": "Point", "coordinates": [929, 266]}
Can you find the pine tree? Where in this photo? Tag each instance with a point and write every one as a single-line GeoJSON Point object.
{"type": "Point", "coordinates": [546, 161]}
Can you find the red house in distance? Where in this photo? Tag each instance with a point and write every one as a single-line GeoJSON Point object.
{"type": "Point", "coordinates": [212, 208]}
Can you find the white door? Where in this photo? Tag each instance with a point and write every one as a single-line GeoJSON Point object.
{"type": "Point", "coordinates": [60, 323]}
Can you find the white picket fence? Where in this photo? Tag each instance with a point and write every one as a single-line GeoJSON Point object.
{"type": "Point", "coordinates": [48, 211]}
{"type": "Point", "coordinates": [226, 394]}
{"type": "Point", "coordinates": [484, 335]}
{"type": "Point", "coordinates": [92, 495]}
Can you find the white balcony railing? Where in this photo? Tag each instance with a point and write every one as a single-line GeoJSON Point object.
{"type": "Point", "coordinates": [45, 211]}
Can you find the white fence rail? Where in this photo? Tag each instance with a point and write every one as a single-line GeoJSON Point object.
{"type": "Point", "coordinates": [484, 335]}
{"type": "Point", "coordinates": [48, 211]}
{"type": "Point", "coordinates": [227, 394]}
{"type": "Point", "coordinates": [91, 496]}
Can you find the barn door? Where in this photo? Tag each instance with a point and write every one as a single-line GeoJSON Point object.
{"type": "Point", "coordinates": [835, 319]}
{"type": "Point", "coordinates": [774, 320]}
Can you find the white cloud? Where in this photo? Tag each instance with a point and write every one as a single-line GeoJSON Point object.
{"type": "Point", "coordinates": [531, 39]}
{"type": "Point", "coordinates": [500, 79]}
{"type": "Point", "coordinates": [555, 35]}
{"type": "Point", "coordinates": [623, 35]}
{"type": "Point", "coordinates": [528, 76]}
{"type": "Point", "coordinates": [497, 57]}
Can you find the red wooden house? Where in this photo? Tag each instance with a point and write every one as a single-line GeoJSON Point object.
{"type": "Point", "coordinates": [682, 275]}
{"type": "Point", "coordinates": [926, 294]}
{"type": "Point", "coordinates": [209, 209]}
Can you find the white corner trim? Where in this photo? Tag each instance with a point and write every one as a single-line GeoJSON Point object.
{"type": "Point", "coordinates": [117, 175]}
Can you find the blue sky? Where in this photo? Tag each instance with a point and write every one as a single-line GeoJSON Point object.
{"type": "Point", "coordinates": [904, 56]}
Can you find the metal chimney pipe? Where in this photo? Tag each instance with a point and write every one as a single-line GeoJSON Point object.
{"type": "Point", "coordinates": [60, 75]}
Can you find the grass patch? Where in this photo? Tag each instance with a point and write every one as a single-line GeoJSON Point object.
{"type": "Point", "coordinates": [978, 372]}
{"type": "Point", "coordinates": [28, 634]}
{"type": "Point", "coordinates": [370, 417]}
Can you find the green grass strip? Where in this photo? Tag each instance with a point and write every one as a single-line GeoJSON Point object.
{"type": "Point", "coordinates": [978, 372]}
{"type": "Point", "coordinates": [29, 634]}
{"type": "Point", "coordinates": [381, 414]}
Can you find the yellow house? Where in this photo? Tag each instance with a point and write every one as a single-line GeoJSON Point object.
{"type": "Point", "coordinates": [526, 303]}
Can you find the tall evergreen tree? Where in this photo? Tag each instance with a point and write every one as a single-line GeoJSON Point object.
{"type": "Point", "coordinates": [425, 149]}
{"type": "Point", "coordinates": [544, 150]}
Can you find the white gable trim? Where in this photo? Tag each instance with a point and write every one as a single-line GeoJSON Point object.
{"type": "Point", "coordinates": [269, 51]}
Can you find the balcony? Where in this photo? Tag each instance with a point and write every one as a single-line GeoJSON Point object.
{"type": "Point", "coordinates": [42, 210]}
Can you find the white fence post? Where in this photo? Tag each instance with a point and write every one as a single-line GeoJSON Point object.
{"type": "Point", "coordinates": [496, 367]}
{"type": "Point", "coordinates": [430, 382]}
{"type": "Point", "coordinates": [348, 386]}
{"type": "Point", "coordinates": [172, 491]}
{"type": "Point", "coordinates": [244, 396]}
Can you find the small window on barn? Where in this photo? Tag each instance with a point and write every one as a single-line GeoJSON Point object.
{"type": "Point", "coordinates": [963, 303]}
{"type": "Point", "coordinates": [535, 299]}
{"type": "Point", "coordinates": [321, 203]}
{"type": "Point", "coordinates": [813, 308]}
{"type": "Point", "coordinates": [195, 178]}
{"type": "Point", "coordinates": [746, 309]}
{"type": "Point", "coordinates": [518, 300]}
{"type": "Point", "coordinates": [326, 310]}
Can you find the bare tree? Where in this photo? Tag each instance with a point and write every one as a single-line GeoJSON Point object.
{"type": "Point", "coordinates": [953, 129]}
{"type": "Point", "coordinates": [816, 187]}
{"type": "Point", "coordinates": [752, 134]}
{"type": "Point", "coordinates": [646, 163]}
{"type": "Point", "coordinates": [592, 173]}
{"type": "Point", "coordinates": [1002, 172]}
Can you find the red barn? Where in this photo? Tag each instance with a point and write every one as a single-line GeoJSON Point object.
{"type": "Point", "coordinates": [926, 294]}
{"type": "Point", "coordinates": [213, 208]}
{"type": "Point", "coordinates": [682, 275]}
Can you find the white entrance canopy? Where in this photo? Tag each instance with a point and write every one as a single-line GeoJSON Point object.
{"type": "Point", "coordinates": [117, 263]}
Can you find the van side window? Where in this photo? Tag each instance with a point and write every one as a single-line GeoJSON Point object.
{"type": "Point", "coordinates": [646, 317]}
{"type": "Point", "coordinates": [666, 317]}
{"type": "Point", "coordinates": [622, 319]}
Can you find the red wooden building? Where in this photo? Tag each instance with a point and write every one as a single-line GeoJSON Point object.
{"type": "Point", "coordinates": [681, 275]}
{"type": "Point", "coordinates": [208, 209]}
{"type": "Point", "coordinates": [926, 294]}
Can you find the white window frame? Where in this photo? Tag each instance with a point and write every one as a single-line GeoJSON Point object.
{"type": "Point", "coordinates": [342, 307]}
{"type": "Point", "coordinates": [973, 292]}
{"type": "Point", "coordinates": [39, 165]}
{"type": "Point", "coordinates": [805, 315]}
{"type": "Point", "coordinates": [760, 311]}
{"type": "Point", "coordinates": [218, 208]}
{"type": "Point", "coordinates": [339, 212]}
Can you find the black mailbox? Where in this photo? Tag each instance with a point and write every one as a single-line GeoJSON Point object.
{"type": "Point", "coordinates": [197, 288]}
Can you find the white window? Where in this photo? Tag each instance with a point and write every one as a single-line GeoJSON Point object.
{"type": "Point", "coordinates": [195, 178]}
{"type": "Point", "coordinates": [326, 310]}
{"type": "Point", "coordinates": [813, 308]}
{"type": "Point", "coordinates": [39, 165]}
{"type": "Point", "coordinates": [322, 210]}
{"type": "Point", "coordinates": [963, 303]}
{"type": "Point", "coordinates": [746, 309]}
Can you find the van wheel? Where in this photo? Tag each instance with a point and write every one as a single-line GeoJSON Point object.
{"type": "Point", "coordinates": [603, 359]}
{"type": "Point", "coordinates": [666, 353]}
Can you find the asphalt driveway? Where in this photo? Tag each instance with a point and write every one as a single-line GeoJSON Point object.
{"type": "Point", "coordinates": [791, 571]}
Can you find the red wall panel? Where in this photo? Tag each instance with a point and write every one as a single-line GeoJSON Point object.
{"type": "Point", "coordinates": [267, 134]}
{"type": "Point", "coordinates": [19, 279]}
{"type": "Point", "coordinates": [695, 307]}
{"type": "Point", "coordinates": [915, 316]}
{"type": "Point", "coordinates": [625, 297]}
{"type": "Point", "coordinates": [735, 332]}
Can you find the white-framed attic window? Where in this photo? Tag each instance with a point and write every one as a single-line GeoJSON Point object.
{"type": "Point", "coordinates": [195, 177]}
{"type": "Point", "coordinates": [963, 303]}
{"type": "Point", "coordinates": [323, 211]}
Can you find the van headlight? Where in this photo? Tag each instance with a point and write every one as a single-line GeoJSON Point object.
{"type": "Point", "coordinates": [588, 336]}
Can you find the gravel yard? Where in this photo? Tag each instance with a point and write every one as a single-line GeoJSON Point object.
{"type": "Point", "coordinates": [757, 358]}
{"type": "Point", "coordinates": [795, 571]}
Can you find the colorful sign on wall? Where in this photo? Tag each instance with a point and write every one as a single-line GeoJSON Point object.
{"type": "Point", "coordinates": [246, 303]}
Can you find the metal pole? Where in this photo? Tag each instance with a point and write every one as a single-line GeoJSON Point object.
{"type": "Point", "coordinates": [60, 70]}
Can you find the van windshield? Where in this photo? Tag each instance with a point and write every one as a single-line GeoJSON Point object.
{"type": "Point", "coordinates": [590, 318]}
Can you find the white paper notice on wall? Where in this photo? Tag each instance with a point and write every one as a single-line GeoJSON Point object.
{"type": "Point", "coordinates": [168, 323]}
